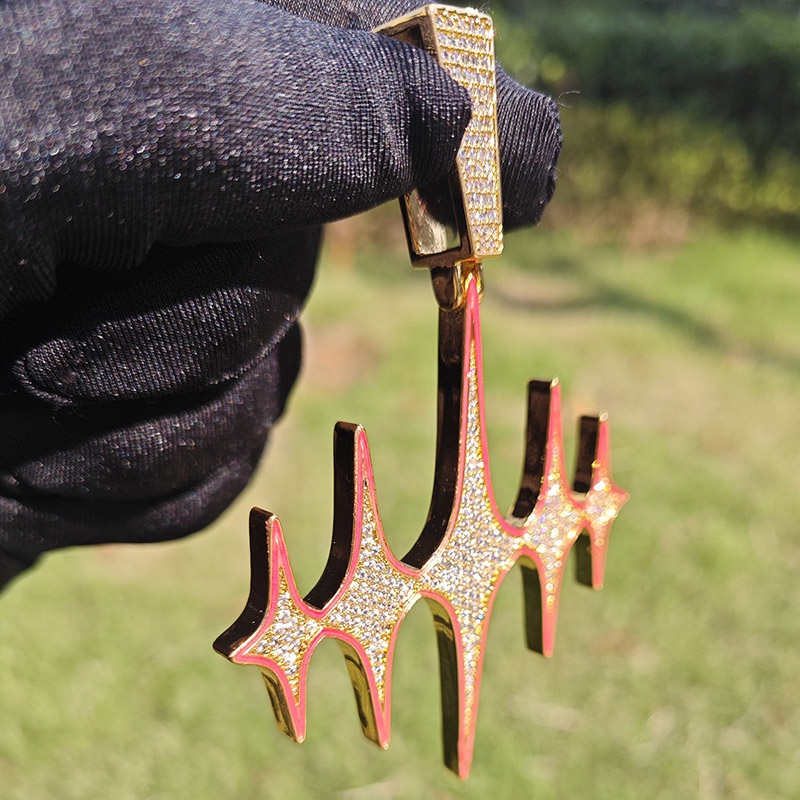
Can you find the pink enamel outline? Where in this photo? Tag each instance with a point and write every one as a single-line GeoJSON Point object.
{"type": "Point", "coordinates": [278, 547]}
{"type": "Point", "coordinates": [279, 559]}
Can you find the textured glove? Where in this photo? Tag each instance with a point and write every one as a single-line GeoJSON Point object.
{"type": "Point", "coordinates": [163, 170]}
{"type": "Point", "coordinates": [529, 130]}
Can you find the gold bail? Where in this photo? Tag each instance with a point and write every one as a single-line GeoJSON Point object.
{"type": "Point", "coordinates": [459, 219]}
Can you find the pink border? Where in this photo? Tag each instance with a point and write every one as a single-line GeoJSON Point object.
{"type": "Point", "coordinates": [279, 559]}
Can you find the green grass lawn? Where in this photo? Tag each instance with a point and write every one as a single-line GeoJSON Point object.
{"type": "Point", "coordinates": [681, 679]}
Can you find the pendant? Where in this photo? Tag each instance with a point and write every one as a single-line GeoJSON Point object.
{"type": "Point", "coordinates": [466, 547]}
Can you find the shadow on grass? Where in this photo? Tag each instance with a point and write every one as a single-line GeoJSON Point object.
{"type": "Point", "coordinates": [596, 294]}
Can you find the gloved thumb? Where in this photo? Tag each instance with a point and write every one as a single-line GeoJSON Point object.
{"type": "Point", "coordinates": [235, 120]}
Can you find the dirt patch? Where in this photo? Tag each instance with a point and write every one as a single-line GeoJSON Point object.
{"type": "Point", "coordinates": [336, 356]}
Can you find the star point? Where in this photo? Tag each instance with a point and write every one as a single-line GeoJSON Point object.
{"type": "Point", "coordinates": [457, 564]}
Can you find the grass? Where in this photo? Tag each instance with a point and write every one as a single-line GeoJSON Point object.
{"type": "Point", "coordinates": [681, 679]}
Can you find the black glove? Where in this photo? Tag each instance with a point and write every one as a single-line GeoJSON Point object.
{"type": "Point", "coordinates": [528, 126]}
{"type": "Point", "coordinates": [163, 168]}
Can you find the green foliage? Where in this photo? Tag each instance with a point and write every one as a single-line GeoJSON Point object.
{"type": "Point", "coordinates": [742, 72]}
{"type": "Point", "coordinates": [695, 110]}
{"type": "Point", "coordinates": [718, 8]}
{"type": "Point", "coordinates": [614, 157]}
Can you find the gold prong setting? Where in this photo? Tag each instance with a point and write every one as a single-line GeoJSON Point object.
{"type": "Point", "coordinates": [465, 46]}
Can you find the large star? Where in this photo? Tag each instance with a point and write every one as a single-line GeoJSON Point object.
{"type": "Point", "coordinates": [458, 563]}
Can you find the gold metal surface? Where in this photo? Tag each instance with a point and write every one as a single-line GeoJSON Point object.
{"type": "Point", "coordinates": [460, 218]}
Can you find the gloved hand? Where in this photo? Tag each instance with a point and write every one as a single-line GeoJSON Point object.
{"type": "Point", "coordinates": [528, 126]}
{"type": "Point", "coordinates": [163, 170]}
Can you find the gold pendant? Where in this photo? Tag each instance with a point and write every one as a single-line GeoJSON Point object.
{"type": "Point", "coordinates": [466, 547]}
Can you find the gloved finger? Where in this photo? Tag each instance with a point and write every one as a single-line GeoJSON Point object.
{"type": "Point", "coordinates": [529, 131]}
{"type": "Point", "coordinates": [141, 414]}
{"type": "Point", "coordinates": [213, 121]}
{"type": "Point", "coordinates": [11, 566]}
{"type": "Point", "coordinates": [189, 320]}
{"type": "Point", "coordinates": [529, 127]}
{"type": "Point", "coordinates": [143, 472]}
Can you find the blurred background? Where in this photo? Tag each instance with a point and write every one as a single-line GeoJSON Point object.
{"type": "Point", "coordinates": [663, 286]}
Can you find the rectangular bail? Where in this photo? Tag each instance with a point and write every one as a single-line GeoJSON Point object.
{"type": "Point", "coordinates": [460, 217]}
